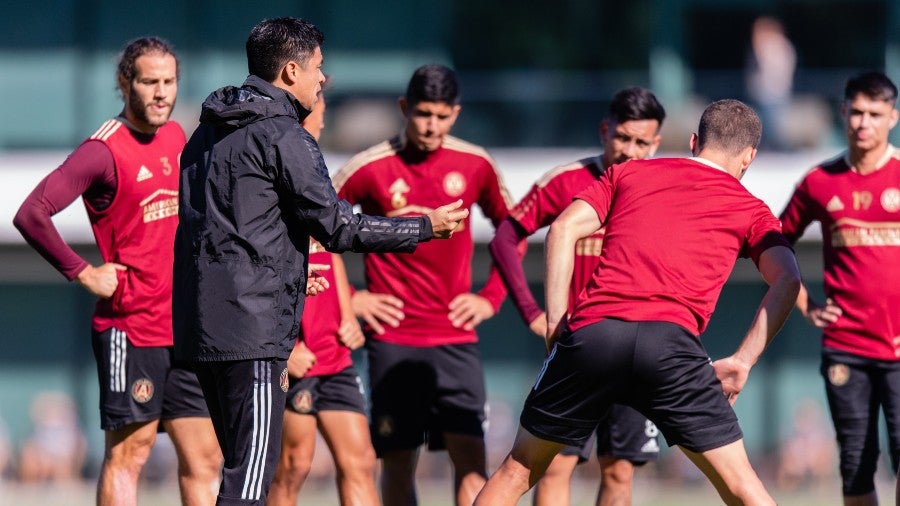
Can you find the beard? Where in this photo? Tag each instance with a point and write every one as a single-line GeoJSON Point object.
{"type": "Point", "coordinates": [139, 110]}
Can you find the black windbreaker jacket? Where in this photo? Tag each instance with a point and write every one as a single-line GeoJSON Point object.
{"type": "Point", "coordinates": [254, 188]}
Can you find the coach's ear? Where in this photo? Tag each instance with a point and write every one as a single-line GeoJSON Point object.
{"type": "Point", "coordinates": [404, 105]}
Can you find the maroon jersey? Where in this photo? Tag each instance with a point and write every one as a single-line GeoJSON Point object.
{"type": "Point", "coordinates": [548, 198]}
{"type": "Point", "coordinates": [674, 228]}
{"type": "Point", "coordinates": [322, 319]}
{"type": "Point", "coordinates": [391, 181]}
{"type": "Point", "coordinates": [860, 219]}
{"type": "Point", "coordinates": [137, 230]}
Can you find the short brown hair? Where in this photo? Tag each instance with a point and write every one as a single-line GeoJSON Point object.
{"type": "Point", "coordinates": [730, 126]}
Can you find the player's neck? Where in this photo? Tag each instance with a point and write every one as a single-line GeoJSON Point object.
{"type": "Point", "coordinates": [868, 161]}
{"type": "Point", "coordinates": [135, 124]}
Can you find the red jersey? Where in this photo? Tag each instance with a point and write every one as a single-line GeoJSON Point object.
{"type": "Point", "coordinates": [860, 219]}
{"type": "Point", "coordinates": [322, 319]}
{"type": "Point", "coordinates": [137, 230]}
{"type": "Point", "coordinates": [548, 198]}
{"type": "Point", "coordinates": [391, 181]}
{"type": "Point", "coordinates": [674, 229]}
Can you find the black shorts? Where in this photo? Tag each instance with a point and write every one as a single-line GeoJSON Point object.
{"type": "Point", "coordinates": [420, 393]}
{"type": "Point", "coordinates": [856, 388]}
{"type": "Point", "coordinates": [246, 404]}
{"type": "Point", "coordinates": [657, 368]}
{"type": "Point", "coordinates": [624, 433]}
{"type": "Point", "coordinates": [342, 391]}
{"type": "Point", "coordinates": [140, 384]}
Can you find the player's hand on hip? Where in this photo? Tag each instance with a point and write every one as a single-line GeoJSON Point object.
{"type": "Point", "coordinates": [825, 315]}
{"type": "Point", "coordinates": [315, 282]}
{"type": "Point", "coordinates": [555, 331]}
{"type": "Point", "coordinates": [539, 325]}
{"type": "Point", "coordinates": [733, 374]}
{"type": "Point", "coordinates": [467, 310]}
{"type": "Point", "coordinates": [350, 334]}
{"type": "Point", "coordinates": [445, 219]}
{"type": "Point", "coordinates": [101, 281]}
{"type": "Point", "coordinates": [300, 361]}
{"type": "Point", "coordinates": [377, 308]}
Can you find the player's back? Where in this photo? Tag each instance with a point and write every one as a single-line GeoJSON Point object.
{"type": "Point", "coordinates": [674, 228]}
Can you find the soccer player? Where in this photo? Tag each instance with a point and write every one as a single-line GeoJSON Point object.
{"type": "Point", "coordinates": [329, 394]}
{"type": "Point", "coordinates": [625, 438]}
{"type": "Point", "coordinates": [127, 175]}
{"type": "Point", "coordinates": [254, 188]}
{"type": "Point", "coordinates": [674, 228]}
{"type": "Point", "coordinates": [856, 199]}
{"type": "Point", "coordinates": [425, 371]}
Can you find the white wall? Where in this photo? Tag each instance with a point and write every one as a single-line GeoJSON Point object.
{"type": "Point", "coordinates": [771, 177]}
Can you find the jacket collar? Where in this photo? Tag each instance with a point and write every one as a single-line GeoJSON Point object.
{"type": "Point", "coordinates": [275, 93]}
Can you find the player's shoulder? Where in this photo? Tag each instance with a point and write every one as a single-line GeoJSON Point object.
{"type": "Point", "coordinates": [837, 164]}
{"type": "Point", "coordinates": [465, 147]}
{"type": "Point", "coordinates": [109, 128]}
{"type": "Point", "coordinates": [365, 158]}
{"type": "Point", "coordinates": [585, 168]}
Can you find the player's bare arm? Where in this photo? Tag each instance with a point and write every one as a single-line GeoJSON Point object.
{"type": "Point", "coordinates": [445, 219]}
{"type": "Point", "coordinates": [778, 267]}
{"type": "Point", "coordinates": [467, 310]}
{"type": "Point", "coordinates": [377, 309]}
{"type": "Point", "coordinates": [101, 281]}
{"type": "Point", "coordinates": [579, 220]}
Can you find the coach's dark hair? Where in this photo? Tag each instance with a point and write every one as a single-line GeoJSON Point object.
{"type": "Point", "coordinates": [125, 68]}
{"type": "Point", "coordinates": [872, 84]}
{"type": "Point", "coordinates": [730, 126]}
{"type": "Point", "coordinates": [433, 83]}
{"type": "Point", "coordinates": [636, 103]}
{"type": "Point", "coordinates": [274, 42]}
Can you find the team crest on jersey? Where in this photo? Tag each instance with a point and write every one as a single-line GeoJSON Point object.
{"type": "Point", "coordinates": [142, 390]}
{"type": "Point", "coordinates": [454, 184]}
{"type": "Point", "coordinates": [838, 374]}
{"type": "Point", "coordinates": [385, 426]}
{"type": "Point", "coordinates": [302, 401]}
{"type": "Point", "coordinates": [397, 190]}
{"type": "Point", "coordinates": [890, 200]}
{"type": "Point", "coordinates": [283, 380]}
{"type": "Point", "coordinates": [834, 205]}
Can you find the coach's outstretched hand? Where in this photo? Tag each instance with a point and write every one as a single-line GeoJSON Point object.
{"type": "Point", "coordinates": [445, 219]}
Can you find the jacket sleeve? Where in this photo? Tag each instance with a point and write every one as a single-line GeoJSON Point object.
{"type": "Point", "coordinates": [307, 193]}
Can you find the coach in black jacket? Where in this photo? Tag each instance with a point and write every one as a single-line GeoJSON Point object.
{"type": "Point", "coordinates": [254, 188]}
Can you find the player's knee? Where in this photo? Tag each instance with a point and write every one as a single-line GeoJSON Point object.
{"type": "Point", "coordinates": [201, 465]}
{"type": "Point", "coordinates": [360, 465]}
{"type": "Point", "coordinates": [296, 466]}
{"type": "Point", "coordinates": [617, 473]}
{"type": "Point", "coordinates": [131, 452]}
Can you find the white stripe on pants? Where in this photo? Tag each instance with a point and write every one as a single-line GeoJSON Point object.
{"type": "Point", "coordinates": [262, 418]}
